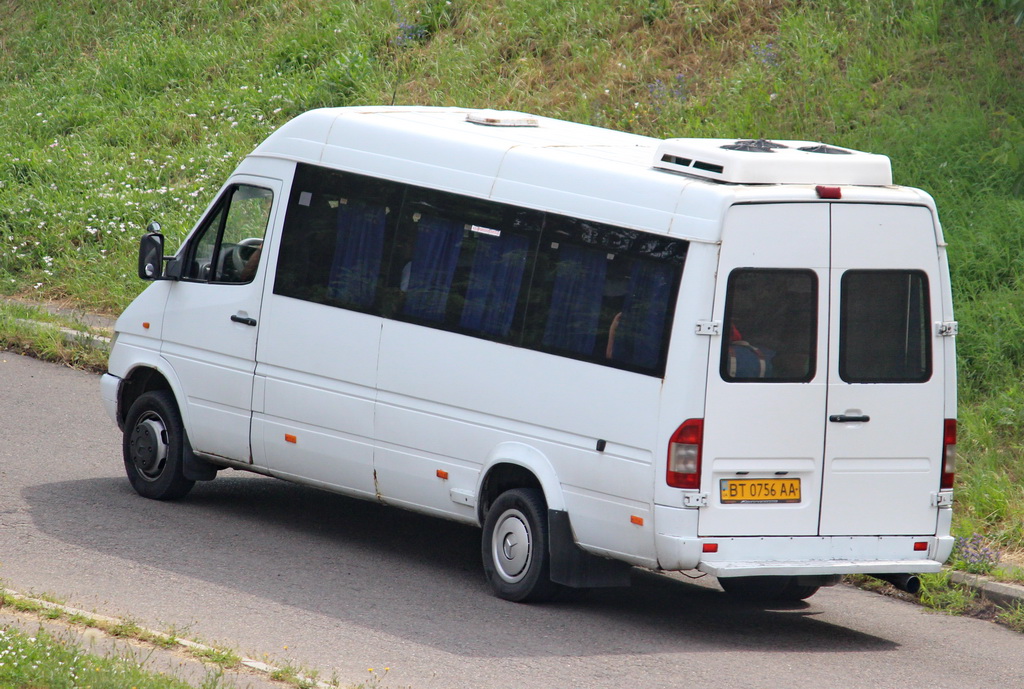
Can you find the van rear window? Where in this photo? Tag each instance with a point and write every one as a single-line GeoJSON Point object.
{"type": "Point", "coordinates": [884, 327]}
{"type": "Point", "coordinates": [771, 326]}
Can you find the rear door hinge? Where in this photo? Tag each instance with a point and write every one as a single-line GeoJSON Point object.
{"type": "Point", "coordinates": [695, 499]}
{"type": "Point", "coordinates": [942, 499]}
{"type": "Point", "coordinates": [946, 328]}
{"type": "Point", "coordinates": [709, 328]}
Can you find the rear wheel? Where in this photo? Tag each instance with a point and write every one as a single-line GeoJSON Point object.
{"type": "Point", "coordinates": [766, 589]}
{"type": "Point", "coordinates": [515, 547]}
{"type": "Point", "coordinates": [152, 446]}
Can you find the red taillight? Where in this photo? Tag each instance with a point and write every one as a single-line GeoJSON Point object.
{"type": "Point", "coordinates": [948, 453]}
{"type": "Point", "coordinates": [684, 451]}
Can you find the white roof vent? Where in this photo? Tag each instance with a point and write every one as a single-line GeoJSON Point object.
{"type": "Point", "coordinates": [501, 118]}
{"type": "Point", "coordinates": [760, 161]}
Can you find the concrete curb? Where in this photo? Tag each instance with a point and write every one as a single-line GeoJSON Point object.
{"type": "Point", "coordinates": [1003, 594]}
{"type": "Point", "coordinates": [181, 658]}
{"type": "Point", "coordinates": [98, 328]}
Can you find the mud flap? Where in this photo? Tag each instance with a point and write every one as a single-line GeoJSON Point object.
{"type": "Point", "coordinates": [574, 567]}
{"type": "Point", "coordinates": [194, 468]}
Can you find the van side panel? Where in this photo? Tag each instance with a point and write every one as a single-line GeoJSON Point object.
{"type": "Point", "coordinates": [319, 365]}
{"type": "Point", "coordinates": [433, 415]}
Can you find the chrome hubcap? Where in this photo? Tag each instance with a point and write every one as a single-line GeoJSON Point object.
{"type": "Point", "coordinates": [511, 546]}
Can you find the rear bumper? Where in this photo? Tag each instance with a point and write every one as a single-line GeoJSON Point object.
{"type": "Point", "coordinates": [804, 555]}
{"type": "Point", "coordinates": [812, 567]}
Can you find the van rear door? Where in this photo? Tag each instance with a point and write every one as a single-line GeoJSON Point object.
{"type": "Point", "coordinates": [764, 429]}
{"type": "Point", "coordinates": [824, 407]}
{"type": "Point", "coordinates": [885, 400]}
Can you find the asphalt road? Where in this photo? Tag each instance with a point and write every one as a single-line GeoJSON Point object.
{"type": "Point", "coordinates": [340, 586]}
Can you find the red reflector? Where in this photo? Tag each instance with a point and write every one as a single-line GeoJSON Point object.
{"type": "Point", "coordinates": [710, 548]}
{"type": "Point", "coordinates": [441, 473]}
{"type": "Point", "coordinates": [828, 192]}
{"type": "Point", "coordinates": [921, 545]}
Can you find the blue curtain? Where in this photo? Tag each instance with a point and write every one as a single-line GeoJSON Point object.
{"type": "Point", "coordinates": [434, 258]}
{"type": "Point", "coordinates": [494, 284]}
{"type": "Point", "coordinates": [357, 254]}
{"type": "Point", "coordinates": [576, 299]}
{"type": "Point", "coordinates": [639, 336]}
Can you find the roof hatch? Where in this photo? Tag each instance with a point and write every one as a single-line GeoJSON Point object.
{"type": "Point", "coordinates": [760, 161]}
{"type": "Point", "coordinates": [501, 118]}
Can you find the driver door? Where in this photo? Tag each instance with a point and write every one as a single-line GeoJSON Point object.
{"type": "Point", "coordinates": [212, 317]}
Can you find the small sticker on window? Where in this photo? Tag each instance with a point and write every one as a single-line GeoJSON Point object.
{"type": "Point", "coordinates": [485, 230]}
{"type": "Point", "coordinates": [305, 198]}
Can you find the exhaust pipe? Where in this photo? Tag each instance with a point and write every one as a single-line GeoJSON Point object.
{"type": "Point", "coordinates": [910, 583]}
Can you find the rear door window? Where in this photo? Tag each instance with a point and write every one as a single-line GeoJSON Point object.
{"type": "Point", "coordinates": [884, 327]}
{"type": "Point", "coordinates": [770, 326]}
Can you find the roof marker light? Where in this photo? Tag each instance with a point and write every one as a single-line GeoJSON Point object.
{"type": "Point", "coordinates": [825, 192]}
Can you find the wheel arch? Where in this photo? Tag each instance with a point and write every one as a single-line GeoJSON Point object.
{"type": "Point", "coordinates": [144, 377]}
{"type": "Point", "coordinates": [517, 465]}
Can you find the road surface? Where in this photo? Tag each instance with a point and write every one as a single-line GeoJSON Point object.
{"type": "Point", "coordinates": [337, 585]}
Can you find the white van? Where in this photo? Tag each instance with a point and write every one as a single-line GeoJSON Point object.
{"type": "Point", "coordinates": [605, 349]}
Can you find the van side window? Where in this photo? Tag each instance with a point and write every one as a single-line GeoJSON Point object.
{"type": "Point", "coordinates": [335, 232]}
{"type": "Point", "coordinates": [227, 248]}
{"type": "Point", "coordinates": [605, 294]}
{"type": "Point", "coordinates": [884, 327]}
{"type": "Point", "coordinates": [548, 282]}
{"type": "Point", "coordinates": [770, 326]}
{"type": "Point", "coordinates": [461, 263]}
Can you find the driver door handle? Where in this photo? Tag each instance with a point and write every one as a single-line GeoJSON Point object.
{"type": "Point", "coordinates": [244, 320]}
{"type": "Point", "coordinates": [845, 418]}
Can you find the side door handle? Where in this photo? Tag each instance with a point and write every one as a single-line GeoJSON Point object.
{"type": "Point", "coordinates": [244, 320]}
{"type": "Point", "coordinates": [845, 418]}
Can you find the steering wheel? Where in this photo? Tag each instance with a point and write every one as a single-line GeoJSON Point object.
{"type": "Point", "coordinates": [234, 258]}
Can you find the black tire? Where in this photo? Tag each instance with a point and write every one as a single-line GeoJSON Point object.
{"type": "Point", "coordinates": [515, 547]}
{"type": "Point", "coordinates": [767, 589]}
{"type": "Point", "coordinates": [152, 445]}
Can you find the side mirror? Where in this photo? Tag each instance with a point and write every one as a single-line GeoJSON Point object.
{"type": "Point", "coordinates": [151, 253]}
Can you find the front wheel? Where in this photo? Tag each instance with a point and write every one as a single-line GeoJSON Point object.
{"type": "Point", "coordinates": [152, 446]}
{"type": "Point", "coordinates": [515, 547]}
{"type": "Point", "coordinates": [767, 589]}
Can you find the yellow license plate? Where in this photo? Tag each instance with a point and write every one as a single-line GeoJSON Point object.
{"type": "Point", "coordinates": [760, 490]}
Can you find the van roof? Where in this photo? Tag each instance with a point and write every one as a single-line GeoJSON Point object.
{"type": "Point", "coordinates": [675, 186]}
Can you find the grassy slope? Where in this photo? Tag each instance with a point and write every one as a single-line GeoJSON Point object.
{"type": "Point", "coordinates": [119, 113]}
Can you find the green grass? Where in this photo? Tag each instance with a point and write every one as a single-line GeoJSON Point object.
{"type": "Point", "coordinates": [42, 661]}
{"type": "Point", "coordinates": [32, 331]}
{"type": "Point", "coordinates": [116, 114]}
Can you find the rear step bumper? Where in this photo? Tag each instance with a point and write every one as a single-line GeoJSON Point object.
{"type": "Point", "coordinates": [812, 567]}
